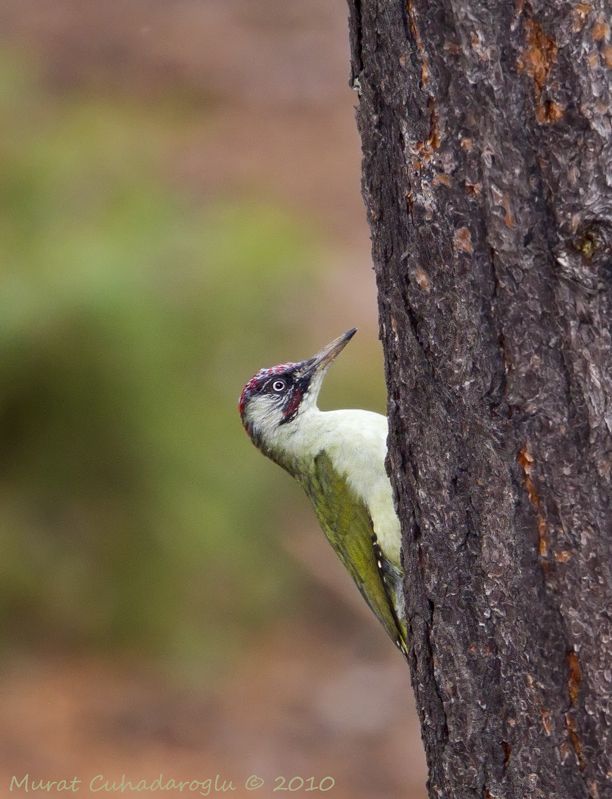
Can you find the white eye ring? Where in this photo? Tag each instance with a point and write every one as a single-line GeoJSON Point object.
{"type": "Point", "coordinates": [278, 385]}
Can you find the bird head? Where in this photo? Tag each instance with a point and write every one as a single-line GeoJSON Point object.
{"type": "Point", "coordinates": [279, 396]}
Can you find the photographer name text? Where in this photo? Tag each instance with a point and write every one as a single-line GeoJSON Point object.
{"type": "Point", "coordinates": [217, 785]}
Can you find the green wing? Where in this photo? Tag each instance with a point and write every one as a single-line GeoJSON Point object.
{"type": "Point", "coordinates": [348, 527]}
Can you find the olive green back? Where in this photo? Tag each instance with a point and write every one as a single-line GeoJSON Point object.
{"type": "Point", "coordinates": [348, 527]}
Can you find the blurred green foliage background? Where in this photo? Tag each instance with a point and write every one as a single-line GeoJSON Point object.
{"type": "Point", "coordinates": [180, 206]}
{"type": "Point", "coordinates": [133, 512]}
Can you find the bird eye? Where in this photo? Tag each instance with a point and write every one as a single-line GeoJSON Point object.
{"type": "Point", "coordinates": [278, 385]}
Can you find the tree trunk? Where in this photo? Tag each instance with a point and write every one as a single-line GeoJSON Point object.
{"type": "Point", "coordinates": [486, 138]}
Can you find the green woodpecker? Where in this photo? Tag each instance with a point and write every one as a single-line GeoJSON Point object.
{"type": "Point", "coordinates": [338, 457]}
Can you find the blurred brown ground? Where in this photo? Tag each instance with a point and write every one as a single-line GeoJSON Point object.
{"type": "Point", "coordinates": [277, 120]}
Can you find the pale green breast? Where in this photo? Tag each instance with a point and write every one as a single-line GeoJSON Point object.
{"type": "Point", "coordinates": [356, 443]}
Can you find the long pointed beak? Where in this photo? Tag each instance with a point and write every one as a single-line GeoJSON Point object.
{"type": "Point", "coordinates": [323, 358]}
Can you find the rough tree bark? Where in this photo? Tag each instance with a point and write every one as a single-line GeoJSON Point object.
{"type": "Point", "coordinates": [486, 139]}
